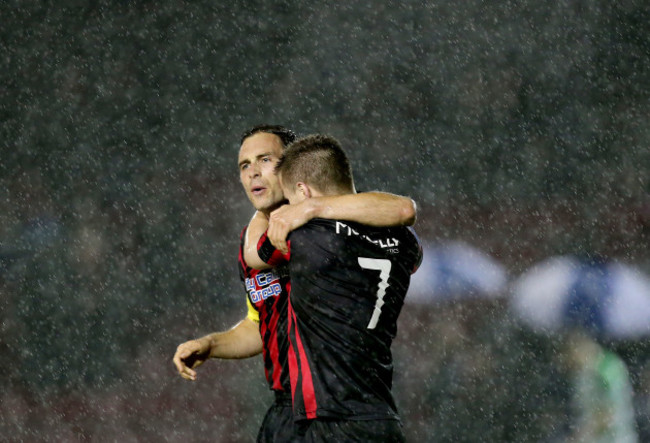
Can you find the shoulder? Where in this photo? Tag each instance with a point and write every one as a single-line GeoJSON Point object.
{"type": "Point", "coordinates": [318, 231]}
{"type": "Point", "coordinates": [315, 225]}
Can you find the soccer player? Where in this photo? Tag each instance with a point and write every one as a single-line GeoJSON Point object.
{"type": "Point", "coordinates": [348, 283]}
{"type": "Point", "coordinates": [264, 329]}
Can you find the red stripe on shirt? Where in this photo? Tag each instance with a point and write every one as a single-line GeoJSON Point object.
{"type": "Point", "coordinates": [264, 348]}
{"type": "Point", "coordinates": [291, 354]}
{"type": "Point", "coordinates": [273, 350]}
{"type": "Point", "coordinates": [307, 384]}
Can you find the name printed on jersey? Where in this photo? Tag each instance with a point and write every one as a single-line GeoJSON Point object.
{"type": "Point", "coordinates": [390, 244]}
{"type": "Point", "coordinates": [269, 281]}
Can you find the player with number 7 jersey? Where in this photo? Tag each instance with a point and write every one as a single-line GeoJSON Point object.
{"type": "Point", "coordinates": [348, 283]}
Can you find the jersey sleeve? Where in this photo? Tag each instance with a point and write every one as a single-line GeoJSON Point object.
{"type": "Point", "coordinates": [420, 252]}
{"type": "Point", "coordinates": [269, 254]}
{"type": "Point", "coordinates": [252, 315]}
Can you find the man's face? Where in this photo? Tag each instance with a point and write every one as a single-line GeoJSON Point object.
{"type": "Point", "coordinates": [258, 156]}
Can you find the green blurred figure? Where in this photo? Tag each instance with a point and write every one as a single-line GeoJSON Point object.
{"type": "Point", "coordinates": [602, 400]}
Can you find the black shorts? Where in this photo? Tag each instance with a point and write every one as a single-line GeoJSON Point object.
{"type": "Point", "coordinates": [277, 425]}
{"type": "Point", "coordinates": [333, 430]}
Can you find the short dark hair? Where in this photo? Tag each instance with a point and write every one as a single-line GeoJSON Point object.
{"type": "Point", "coordinates": [286, 135]}
{"type": "Point", "coordinates": [319, 161]}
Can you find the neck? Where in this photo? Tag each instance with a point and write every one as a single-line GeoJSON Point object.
{"type": "Point", "coordinates": [267, 211]}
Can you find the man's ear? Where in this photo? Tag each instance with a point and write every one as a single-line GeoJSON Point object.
{"type": "Point", "coordinates": [303, 189]}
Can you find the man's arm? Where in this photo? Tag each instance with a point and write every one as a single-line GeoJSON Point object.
{"type": "Point", "coordinates": [367, 208]}
{"type": "Point", "coordinates": [256, 228]}
{"type": "Point", "coordinates": [242, 341]}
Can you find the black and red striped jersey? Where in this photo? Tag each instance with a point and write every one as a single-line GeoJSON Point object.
{"type": "Point", "coordinates": [267, 293]}
{"type": "Point", "coordinates": [348, 283]}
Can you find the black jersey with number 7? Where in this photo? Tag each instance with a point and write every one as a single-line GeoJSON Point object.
{"type": "Point", "coordinates": [348, 283]}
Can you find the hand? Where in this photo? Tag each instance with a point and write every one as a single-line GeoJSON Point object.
{"type": "Point", "coordinates": [284, 220]}
{"type": "Point", "coordinates": [190, 355]}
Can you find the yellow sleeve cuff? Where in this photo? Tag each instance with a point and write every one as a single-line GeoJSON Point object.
{"type": "Point", "coordinates": [253, 315]}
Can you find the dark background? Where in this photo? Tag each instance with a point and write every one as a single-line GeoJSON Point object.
{"type": "Point", "coordinates": [521, 127]}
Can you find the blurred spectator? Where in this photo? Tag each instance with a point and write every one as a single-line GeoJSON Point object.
{"type": "Point", "coordinates": [456, 271]}
{"type": "Point", "coordinates": [602, 396]}
{"type": "Point", "coordinates": [592, 302]}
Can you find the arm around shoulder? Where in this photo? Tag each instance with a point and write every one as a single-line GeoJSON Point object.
{"type": "Point", "coordinates": [369, 208]}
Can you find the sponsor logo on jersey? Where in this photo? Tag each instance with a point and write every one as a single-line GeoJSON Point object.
{"type": "Point", "coordinates": [263, 285]}
{"type": "Point", "coordinates": [390, 243]}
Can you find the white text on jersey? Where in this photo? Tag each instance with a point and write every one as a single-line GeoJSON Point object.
{"type": "Point", "coordinates": [342, 228]}
{"type": "Point", "coordinates": [268, 284]}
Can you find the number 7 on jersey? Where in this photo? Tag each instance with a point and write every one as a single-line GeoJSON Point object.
{"type": "Point", "coordinates": [383, 266]}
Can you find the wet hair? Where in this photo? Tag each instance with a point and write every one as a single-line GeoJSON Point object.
{"type": "Point", "coordinates": [285, 134]}
{"type": "Point", "coordinates": [319, 161]}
